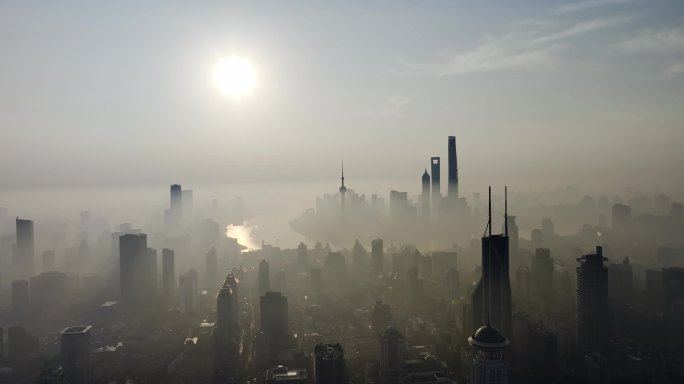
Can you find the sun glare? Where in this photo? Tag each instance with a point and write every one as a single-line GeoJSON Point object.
{"type": "Point", "coordinates": [235, 77]}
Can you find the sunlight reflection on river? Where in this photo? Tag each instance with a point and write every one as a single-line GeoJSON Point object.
{"type": "Point", "coordinates": [244, 235]}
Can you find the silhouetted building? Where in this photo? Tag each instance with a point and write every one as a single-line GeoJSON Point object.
{"type": "Point", "coordinates": [232, 282]}
{"type": "Point", "coordinates": [620, 284]}
{"type": "Point", "coordinates": [377, 254]}
{"type": "Point", "coordinates": [211, 271]}
{"type": "Point", "coordinates": [425, 195]}
{"type": "Point", "coordinates": [622, 217]}
{"type": "Point", "coordinates": [543, 354]}
{"type": "Point", "coordinates": [493, 290]}
{"type": "Point", "coordinates": [542, 276]}
{"type": "Point", "coordinates": [382, 317]}
{"type": "Point", "coordinates": [168, 275]}
{"type": "Point", "coordinates": [20, 343]}
{"type": "Point", "coordinates": [442, 261]}
{"type": "Point", "coordinates": [264, 277]}
{"type": "Point", "coordinates": [25, 248]}
{"type": "Point", "coordinates": [489, 364]}
{"type": "Point", "coordinates": [343, 192]}
{"type": "Point", "coordinates": [75, 354]}
{"type": "Point", "coordinates": [226, 322]}
{"type": "Point", "coordinates": [358, 259]}
{"type": "Point", "coordinates": [187, 292]}
{"type": "Point", "coordinates": [133, 267]}
{"type": "Point", "coordinates": [303, 257]}
{"type": "Point", "coordinates": [392, 353]}
{"type": "Point", "coordinates": [329, 365]}
{"type": "Point", "coordinates": [453, 169]}
{"type": "Point", "coordinates": [399, 206]}
{"type": "Point", "coordinates": [274, 317]}
{"type": "Point", "coordinates": [176, 197]}
{"type": "Point", "coordinates": [20, 300]}
{"type": "Point", "coordinates": [592, 302]}
{"type": "Point", "coordinates": [673, 311]}
{"type": "Point", "coordinates": [436, 191]}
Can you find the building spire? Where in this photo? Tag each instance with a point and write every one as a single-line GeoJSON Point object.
{"type": "Point", "coordinates": [343, 173]}
{"type": "Point", "coordinates": [506, 211]}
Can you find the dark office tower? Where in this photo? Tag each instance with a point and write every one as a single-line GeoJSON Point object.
{"type": "Point", "coordinates": [382, 317]}
{"type": "Point", "coordinates": [133, 266]}
{"type": "Point", "coordinates": [210, 276]}
{"type": "Point", "coordinates": [176, 197]}
{"type": "Point", "coordinates": [343, 192]}
{"type": "Point", "coordinates": [378, 257]}
{"type": "Point", "coordinates": [536, 238]}
{"type": "Point", "coordinates": [25, 248]}
{"type": "Point", "coordinates": [20, 300]}
{"type": "Point", "coordinates": [264, 277]}
{"type": "Point", "coordinates": [491, 297]}
{"type": "Point", "coordinates": [592, 302]}
{"type": "Point", "coordinates": [542, 276]}
{"type": "Point", "coordinates": [226, 322]}
{"type": "Point", "coordinates": [543, 354]}
{"type": "Point", "coordinates": [453, 169]}
{"type": "Point", "coordinates": [673, 292]}
{"type": "Point", "coordinates": [392, 353]}
{"type": "Point", "coordinates": [329, 366]}
{"type": "Point", "coordinates": [425, 195]}
{"type": "Point", "coordinates": [232, 282]}
{"type": "Point", "coordinates": [622, 217]}
{"type": "Point", "coordinates": [489, 364]}
{"type": "Point", "coordinates": [75, 354]}
{"type": "Point", "coordinates": [436, 189]}
{"type": "Point", "coordinates": [620, 284]}
{"type": "Point", "coordinates": [168, 275]}
{"type": "Point", "coordinates": [358, 258]}
{"type": "Point", "coordinates": [442, 261]}
{"type": "Point", "coordinates": [151, 279]}
{"type": "Point", "coordinates": [274, 317]}
{"type": "Point", "coordinates": [452, 281]}
{"type": "Point", "coordinates": [303, 257]}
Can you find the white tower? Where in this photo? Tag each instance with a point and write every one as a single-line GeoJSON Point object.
{"type": "Point", "coordinates": [489, 364]}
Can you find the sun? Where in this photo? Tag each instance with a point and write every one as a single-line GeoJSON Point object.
{"type": "Point", "coordinates": [235, 77]}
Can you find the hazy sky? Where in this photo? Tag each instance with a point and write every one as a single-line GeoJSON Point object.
{"type": "Point", "coordinates": [539, 94]}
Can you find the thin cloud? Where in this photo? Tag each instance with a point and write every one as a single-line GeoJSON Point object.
{"type": "Point", "coordinates": [587, 5]}
{"type": "Point", "coordinates": [665, 40]}
{"type": "Point", "coordinates": [530, 46]}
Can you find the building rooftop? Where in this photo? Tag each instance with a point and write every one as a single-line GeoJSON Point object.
{"type": "Point", "coordinates": [76, 329]}
{"type": "Point", "coordinates": [488, 337]}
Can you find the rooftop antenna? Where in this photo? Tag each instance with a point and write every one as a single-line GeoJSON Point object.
{"type": "Point", "coordinates": [343, 173]}
{"type": "Point", "coordinates": [489, 223]}
{"type": "Point", "coordinates": [489, 262]}
{"type": "Point", "coordinates": [506, 211]}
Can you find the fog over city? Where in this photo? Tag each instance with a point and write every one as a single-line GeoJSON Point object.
{"type": "Point", "coordinates": [342, 192]}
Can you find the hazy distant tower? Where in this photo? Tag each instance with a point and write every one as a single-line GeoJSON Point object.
{"type": "Point", "coordinates": [343, 191]}
{"type": "Point", "coordinates": [168, 275]}
{"type": "Point", "coordinates": [434, 171]}
{"type": "Point", "coordinates": [25, 248]}
{"type": "Point", "coordinates": [453, 169]}
{"type": "Point", "coordinates": [377, 256]}
{"type": "Point", "coordinates": [425, 195]}
{"type": "Point", "coordinates": [264, 277]}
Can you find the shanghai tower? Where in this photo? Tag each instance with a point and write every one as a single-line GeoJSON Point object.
{"type": "Point", "coordinates": [453, 169]}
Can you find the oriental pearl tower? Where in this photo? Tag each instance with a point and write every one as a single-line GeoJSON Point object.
{"type": "Point", "coordinates": [343, 190]}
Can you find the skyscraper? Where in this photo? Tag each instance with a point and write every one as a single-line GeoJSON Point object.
{"type": "Point", "coordinates": [168, 274]}
{"type": "Point", "coordinates": [425, 195]}
{"type": "Point", "coordinates": [489, 365]}
{"type": "Point", "coordinates": [75, 354]}
{"type": "Point", "coordinates": [25, 248]}
{"type": "Point", "coordinates": [382, 317]}
{"type": "Point", "coordinates": [542, 276]}
{"type": "Point", "coordinates": [492, 296]}
{"type": "Point", "coordinates": [434, 174]}
{"type": "Point", "coordinates": [453, 169]}
{"type": "Point", "coordinates": [232, 282]}
{"type": "Point", "coordinates": [303, 257]}
{"type": "Point", "coordinates": [133, 267]}
{"type": "Point", "coordinates": [358, 259]}
{"type": "Point", "coordinates": [378, 257]}
{"type": "Point", "coordinates": [274, 317]}
{"type": "Point", "coordinates": [226, 322]}
{"type": "Point", "coordinates": [592, 302]}
{"type": "Point", "coordinates": [176, 198]}
{"type": "Point", "coordinates": [673, 309]}
{"type": "Point", "coordinates": [392, 353]}
{"type": "Point", "coordinates": [20, 300]}
{"type": "Point", "coordinates": [264, 277]}
{"type": "Point", "coordinates": [329, 365]}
